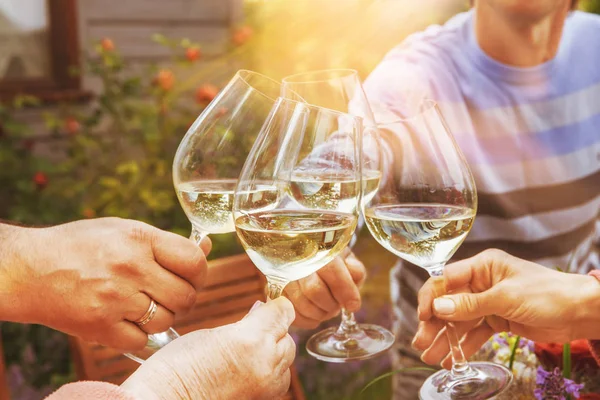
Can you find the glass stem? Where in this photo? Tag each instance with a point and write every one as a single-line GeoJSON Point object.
{"type": "Point", "coordinates": [197, 235]}
{"type": "Point", "coordinates": [348, 324]}
{"type": "Point", "coordinates": [275, 287]}
{"type": "Point", "coordinates": [460, 366]}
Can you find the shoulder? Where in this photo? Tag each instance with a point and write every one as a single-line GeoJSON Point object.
{"type": "Point", "coordinates": [581, 23]}
{"type": "Point", "coordinates": [407, 70]}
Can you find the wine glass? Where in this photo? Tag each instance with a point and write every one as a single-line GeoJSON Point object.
{"type": "Point", "coordinates": [299, 233]}
{"type": "Point", "coordinates": [341, 90]}
{"type": "Point", "coordinates": [208, 162]}
{"type": "Point", "coordinates": [211, 155]}
{"type": "Point", "coordinates": [422, 213]}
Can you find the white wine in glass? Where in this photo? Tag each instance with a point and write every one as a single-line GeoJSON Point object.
{"type": "Point", "coordinates": [341, 90]}
{"type": "Point", "coordinates": [211, 155]}
{"type": "Point", "coordinates": [297, 236]}
{"type": "Point", "coordinates": [422, 213]}
{"type": "Point", "coordinates": [208, 162]}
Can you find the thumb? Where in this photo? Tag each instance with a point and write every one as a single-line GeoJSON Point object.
{"type": "Point", "coordinates": [273, 317]}
{"type": "Point", "coordinates": [466, 306]}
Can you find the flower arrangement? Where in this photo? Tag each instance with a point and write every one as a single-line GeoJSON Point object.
{"type": "Point", "coordinates": [544, 371]}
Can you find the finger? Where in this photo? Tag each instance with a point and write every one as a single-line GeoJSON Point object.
{"type": "Point", "coordinates": [316, 290]}
{"type": "Point", "coordinates": [357, 269]}
{"type": "Point", "coordinates": [181, 256]}
{"type": "Point", "coordinates": [472, 342]}
{"type": "Point", "coordinates": [303, 304]}
{"type": "Point", "coordinates": [468, 306]}
{"type": "Point", "coordinates": [283, 385]}
{"type": "Point", "coordinates": [427, 333]}
{"type": "Point", "coordinates": [286, 352]}
{"type": "Point", "coordinates": [273, 317]}
{"type": "Point", "coordinates": [162, 320]}
{"type": "Point", "coordinates": [434, 287]}
{"type": "Point", "coordinates": [304, 322]}
{"type": "Point", "coordinates": [172, 292]}
{"type": "Point", "coordinates": [440, 347]}
{"type": "Point", "coordinates": [475, 271]}
{"type": "Point", "coordinates": [124, 336]}
{"type": "Point", "coordinates": [340, 283]}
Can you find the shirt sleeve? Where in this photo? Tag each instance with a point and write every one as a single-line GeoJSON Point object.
{"type": "Point", "coordinates": [90, 391]}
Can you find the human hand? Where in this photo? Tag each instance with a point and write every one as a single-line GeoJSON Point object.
{"type": "Point", "coordinates": [93, 278]}
{"type": "Point", "coordinates": [249, 359]}
{"type": "Point", "coordinates": [496, 292]}
{"type": "Point", "coordinates": [321, 295]}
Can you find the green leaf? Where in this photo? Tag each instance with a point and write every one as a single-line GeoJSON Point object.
{"type": "Point", "coordinates": [513, 352]}
{"type": "Point", "coordinates": [567, 360]}
{"type": "Point", "coordinates": [389, 374]}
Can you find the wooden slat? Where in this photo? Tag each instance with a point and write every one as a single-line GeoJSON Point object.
{"type": "Point", "coordinates": [221, 293]}
{"type": "Point", "coordinates": [135, 41]}
{"type": "Point", "coordinates": [157, 10]}
{"type": "Point", "coordinates": [230, 268]}
{"type": "Point", "coordinates": [238, 305]}
{"type": "Point", "coordinates": [208, 324]}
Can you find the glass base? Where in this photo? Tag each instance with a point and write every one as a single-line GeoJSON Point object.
{"type": "Point", "coordinates": [485, 381]}
{"type": "Point", "coordinates": [156, 341]}
{"type": "Point", "coordinates": [366, 342]}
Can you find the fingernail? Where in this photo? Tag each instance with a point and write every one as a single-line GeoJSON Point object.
{"type": "Point", "coordinates": [256, 305]}
{"type": "Point", "coordinates": [352, 305]}
{"type": "Point", "coordinates": [444, 305]}
{"type": "Point", "coordinates": [414, 342]}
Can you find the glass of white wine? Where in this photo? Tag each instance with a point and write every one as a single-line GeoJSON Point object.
{"type": "Point", "coordinates": [341, 90]}
{"type": "Point", "coordinates": [297, 236]}
{"type": "Point", "coordinates": [209, 159]}
{"type": "Point", "coordinates": [422, 213]}
{"type": "Point", "coordinates": [211, 155]}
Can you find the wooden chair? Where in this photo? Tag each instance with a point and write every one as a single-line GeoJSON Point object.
{"type": "Point", "coordinates": [233, 286]}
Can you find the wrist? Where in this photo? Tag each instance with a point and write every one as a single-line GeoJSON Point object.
{"type": "Point", "coordinates": [16, 259]}
{"type": "Point", "coordinates": [587, 308]}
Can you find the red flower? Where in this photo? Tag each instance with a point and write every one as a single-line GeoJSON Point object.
{"type": "Point", "coordinates": [165, 79]}
{"type": "Point", "coordinates": [192, 53]}
{"type": "Point", "coordinates": [40, 179]}
{"type": "Point", "coordinates": [72, 126]}
{"type": "Point", "coordinates": [107, 44]}
{"type": "Point", "coordinates": [88, 213]}
{"type": "Point", "coordinates": [242, 35]}
{"type": "Point", "coordinates": [590, 396]}
{"type": "Point", "coordinates": [551, 354]}
{"type": "Point", "coordinates": [206, 93]}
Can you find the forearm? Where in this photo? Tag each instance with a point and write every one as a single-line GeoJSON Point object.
{"type": "Point", "coordinates": [15, 257]}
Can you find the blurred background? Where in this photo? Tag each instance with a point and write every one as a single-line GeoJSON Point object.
{"type": "Point", "coordinates": [96, 95]}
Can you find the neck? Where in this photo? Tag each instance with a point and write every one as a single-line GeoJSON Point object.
{"type": "Point", "coordinates": [516, 40]}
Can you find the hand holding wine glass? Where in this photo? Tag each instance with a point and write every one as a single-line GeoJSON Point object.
{"type": "Point", "coordinates": [341, 90]}
{"type": "Point", "coordinates": [422, 213]}
{"type": "Point", "coordinates": [208, 162]}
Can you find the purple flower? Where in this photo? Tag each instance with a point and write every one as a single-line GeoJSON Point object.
{"type": "Point", "coordinates": [553, 386]}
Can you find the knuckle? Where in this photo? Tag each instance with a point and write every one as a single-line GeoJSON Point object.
{"type": "Point", "coordinates": [493, 254]}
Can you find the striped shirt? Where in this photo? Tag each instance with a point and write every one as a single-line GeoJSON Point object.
{"type": "Point", "coordinates": [531, 137]}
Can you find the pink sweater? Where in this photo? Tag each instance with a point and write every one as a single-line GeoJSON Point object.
{"type": "Point", "coordinates": [90, 391]}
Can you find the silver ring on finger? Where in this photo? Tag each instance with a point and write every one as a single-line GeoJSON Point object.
{"type": "Point", "coordinates": [149, 314]}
